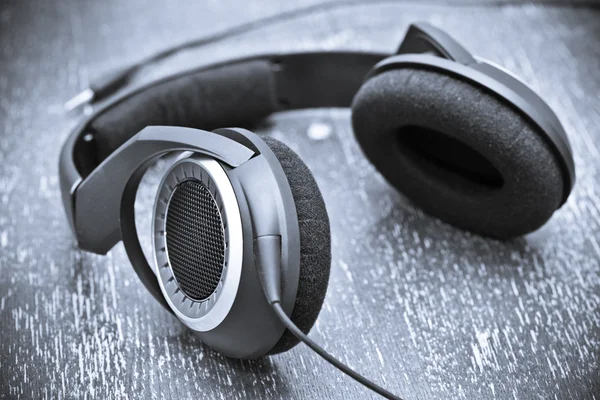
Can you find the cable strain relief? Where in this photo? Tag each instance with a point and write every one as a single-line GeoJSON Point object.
{"type": "Point", "coordinates": [267, 258]}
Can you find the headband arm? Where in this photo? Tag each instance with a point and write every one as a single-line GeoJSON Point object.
{"type": "Point", "coordinates": [98, 198]}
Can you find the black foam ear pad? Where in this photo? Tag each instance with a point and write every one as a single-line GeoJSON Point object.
{"type": "Point", "coordinates": [232, 95]}
{"type": "Point", "coordinates": [315, 243]}
{"type": "Point", "coordinates": [458, 151]}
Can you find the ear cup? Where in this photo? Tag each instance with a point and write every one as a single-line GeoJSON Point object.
{"type": "Point", "coordinates": [315, 243]}
{"type": "Point", "coordinates": [458, 151]}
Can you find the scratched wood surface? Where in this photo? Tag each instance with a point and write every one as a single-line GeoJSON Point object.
{"type": "Point", "coordinates": [427, 310]}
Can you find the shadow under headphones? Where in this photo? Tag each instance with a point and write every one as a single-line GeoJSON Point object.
{"type": "Point", "coordinates": [240, 232]}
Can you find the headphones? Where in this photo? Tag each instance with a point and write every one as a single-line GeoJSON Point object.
{"type": "Point", "coordinates": [240, 232]}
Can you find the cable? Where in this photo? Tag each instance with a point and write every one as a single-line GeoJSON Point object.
{"type": "Point", "coordinates": [267, 258]}
{"type": "Point", "coordinates": [328, 357]}
{"type": "Point", "coordinates": [310, 9]}
{"type": "Point", "coordinates": [109, 83]}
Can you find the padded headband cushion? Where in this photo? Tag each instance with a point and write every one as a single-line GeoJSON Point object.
{"type": "Point", "coordinates": [232, 95]}
{"type": "Point", "coordinates": [315, 243]}
{"type": "Point", "coordinates": [458, 151]}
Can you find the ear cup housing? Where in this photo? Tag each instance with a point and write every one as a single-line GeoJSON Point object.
{"type": "Point", "coordinates": [276, 195]}
{"type": "Point", "coordinates": [315, 243]}
{"type": "Point", "coordinates": [458, 151]}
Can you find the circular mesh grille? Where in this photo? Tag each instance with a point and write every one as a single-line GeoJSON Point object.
{"type": "Point", "coordinates": [195, 240]}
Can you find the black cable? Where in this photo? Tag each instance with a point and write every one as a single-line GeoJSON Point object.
{"type": "Point", "coordinates": [267, 255]}
{"type": "Point", "coordinates": [328, 357]}
{"type": "Point", "coordinates": [323, 6]}
{"type": "Point", "coordinates": [109, 83]}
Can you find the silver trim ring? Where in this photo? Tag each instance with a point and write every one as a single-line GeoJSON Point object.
{"type": "Point", "coordinates": [207, 314]}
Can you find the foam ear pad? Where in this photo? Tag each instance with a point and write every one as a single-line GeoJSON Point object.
{"type": "Point", "coordinates": [458, 151]}
{"type": "Point", "coordinates": [315, 243]}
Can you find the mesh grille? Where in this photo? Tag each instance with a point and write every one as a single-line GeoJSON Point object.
{"type": "Point", "coordinates": [195, 240]}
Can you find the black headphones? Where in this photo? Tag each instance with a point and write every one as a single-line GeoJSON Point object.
{"type": "Point", "coordinates": [241, 237]}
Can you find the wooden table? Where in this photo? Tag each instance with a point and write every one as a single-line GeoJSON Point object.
{"type": "Point", "coordinates": [427, 310]}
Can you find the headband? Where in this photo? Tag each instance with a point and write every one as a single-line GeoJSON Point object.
{"type": "Point", "coordinates": [233, 93]}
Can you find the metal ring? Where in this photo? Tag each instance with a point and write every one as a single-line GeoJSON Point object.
{"type": "Point", "coordinates": [199, 315]}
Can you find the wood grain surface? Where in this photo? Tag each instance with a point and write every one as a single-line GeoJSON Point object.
{"type": "Point", "coordinates": [427, 310]}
